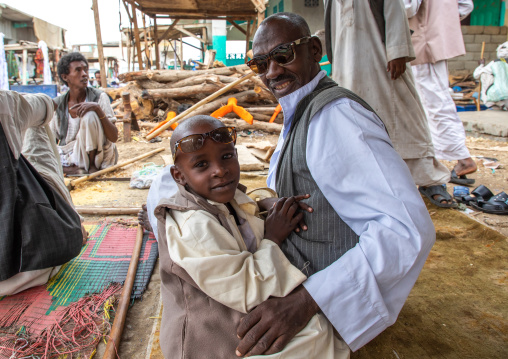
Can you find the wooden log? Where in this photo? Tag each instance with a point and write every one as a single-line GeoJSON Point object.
{"type": "Point", "coordinates": [107, 211]}
{"type": "Point", "coordinates": [156, 44]}
{"type": "Point", "coordinates": [201, 103]}
{"type": "Point", "coordinates": [263, 110]}
{"type": "Point", "coordinates": [190, 81]}
{"type": "Point", "coordinates": [115, 167]}
{"type": "Point", "coordinates": [123, 305]}
{"type": "Point", "coordinates": [176, 75]}
{"type": "Point", "coordinates": [183, 92]}
{"type": "Point", "coordinates": [257, 125]}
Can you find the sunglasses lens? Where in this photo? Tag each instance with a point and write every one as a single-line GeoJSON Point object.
{"type": "Point", "coordinates": [191, 143]}
{"type": "Point", "coordinates": [283, 54]}
{"type": "Point", "coordinates": [223, 135]}
{"type": "Point", "coordinates": [259, 66]}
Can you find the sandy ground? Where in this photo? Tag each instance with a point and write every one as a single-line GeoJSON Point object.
{"type": "Point", "coordinates": [456, 310]}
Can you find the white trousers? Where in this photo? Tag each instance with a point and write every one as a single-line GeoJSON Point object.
{"type": "Point", "coordinates": [448, 135]}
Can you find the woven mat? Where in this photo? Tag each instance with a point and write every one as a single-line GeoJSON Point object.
{"type": "Point", "coordinates": [103, 261]}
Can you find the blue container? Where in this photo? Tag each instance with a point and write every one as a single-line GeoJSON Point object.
{"type": "Point", "coordinates": [49, 90]}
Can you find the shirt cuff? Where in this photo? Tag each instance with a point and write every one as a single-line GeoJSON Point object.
{"type": "Point", "coordinates": [395, 52]}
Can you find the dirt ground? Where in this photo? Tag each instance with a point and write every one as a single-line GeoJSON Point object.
{"type": "Point", "coordinates": [457, 308]}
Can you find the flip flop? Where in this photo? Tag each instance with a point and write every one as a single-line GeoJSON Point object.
{"type": "Point", "coordinates": [462, 180]}
{"type": "Point", "coordinates": [495, 205]}
{"type": "Point", "coordinates": [439, 190]}
{"type": "Point", "coordinates": [480, 193]}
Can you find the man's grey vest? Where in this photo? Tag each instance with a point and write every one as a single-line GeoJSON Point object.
{"type": "Point", "coordinates": [328, 237]}
{"type": "Point", "coordinates": [92, 95]}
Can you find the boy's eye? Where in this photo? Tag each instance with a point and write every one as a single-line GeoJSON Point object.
{"type": "Point", "coordinates": [227, 156]}
{"type": "Point", "coordinates": [200, 164]}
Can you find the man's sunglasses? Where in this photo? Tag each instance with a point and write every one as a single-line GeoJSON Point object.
{"type": "Point", "coordinates": [192, 143]}
{"type": "Point", "coordinates": [283, 55]}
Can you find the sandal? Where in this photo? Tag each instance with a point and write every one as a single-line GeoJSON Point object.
{"type": "Point", "coordinates": [480, 193]}
{"type": "Point", "coordinates": [497, 204]}
{"type": "Point", "coordinates": [462, 180]}
{"type": "Point", "coordinates": [440, 191]}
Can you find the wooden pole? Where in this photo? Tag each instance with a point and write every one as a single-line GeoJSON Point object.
{"type": "Point", "coordinates": [125, 298]}
{"type": "Point", "coordinates": [100, 49]}
{"type": "Point", "coordinates": [247, 40]}
{"type": "Point", "coordinates": [126, 99]}
{"type": "Point", "coordinates": [200, 103]}
{"type": "Point", "coordinates": [181, 51]}
{"type": "Point", "coordinates": [24, 80]}
{"type": "Point", "coordinates": [147, 50]}
{"type": "Point", "coordinates": [107, 210]}
{"type": "Point", "coordinates": [115, 167]}
{"type": "Point", "coordinates": [156, 41]}
{"type": "Point", "coordinates": [136, 36]}
{"type": "Point", "coordinates": [478, 106]}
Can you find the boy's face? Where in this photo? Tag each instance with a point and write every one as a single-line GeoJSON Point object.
{"type": "Point", "coordinates": [213, 171]}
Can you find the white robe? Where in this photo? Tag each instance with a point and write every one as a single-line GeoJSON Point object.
{"type": "Point", "coordinates": [360, 61]}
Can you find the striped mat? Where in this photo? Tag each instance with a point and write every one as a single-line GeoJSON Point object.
{"type": "Point", "coordinates": [37, 322]}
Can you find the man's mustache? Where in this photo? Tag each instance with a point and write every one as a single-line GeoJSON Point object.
{"type": "Point", "coordinates": [279, 79]}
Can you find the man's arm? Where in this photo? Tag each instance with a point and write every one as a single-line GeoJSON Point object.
{"type": "Point", "coordinates": [370, 187]}
{"type": "Point", "coordinates": [105, 113]}
{"type": "Point", "coordinates": [399, 48]}
{"type": "Point", "coordinates": [465, 8]}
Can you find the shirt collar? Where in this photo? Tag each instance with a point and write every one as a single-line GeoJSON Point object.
{"type": "Point", "coordinates": [289, 102]}
{"type": "Point", "coordinates": [242, 200]}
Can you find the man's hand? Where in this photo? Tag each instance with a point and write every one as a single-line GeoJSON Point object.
{"type": "Point", "coordinates": [85, 107]}
{"type": "Point", "coordinates": [269, 327]}
{"type": "Point", "coordinates": [397, 67]}
{"type": "Point", "coordinates": [267, 203]}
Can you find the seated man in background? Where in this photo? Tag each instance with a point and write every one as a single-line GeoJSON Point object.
{"type": "Point", "coordinates": [40, 230]}
{"type": "Point", "coordinates": [84, 122]}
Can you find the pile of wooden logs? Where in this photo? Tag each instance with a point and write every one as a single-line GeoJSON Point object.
{"type": "Point", "coordinates": [464, 87]}
{"type": "Point", "coordinates": [154, 93]}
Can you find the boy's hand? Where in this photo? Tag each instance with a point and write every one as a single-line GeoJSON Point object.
{"type": "Point", "coordinates": [268, 203]}
{"type": "Point", "coordinates": [282, 219]}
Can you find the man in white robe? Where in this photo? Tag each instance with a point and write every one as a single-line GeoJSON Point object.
{"type": "Point", "coordinates": [370, 47]}
{"type": "Point", "coordinates": [437, 37]}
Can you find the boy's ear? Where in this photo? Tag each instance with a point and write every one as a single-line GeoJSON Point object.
{"type": "Point", "coordinates": [178, 175]}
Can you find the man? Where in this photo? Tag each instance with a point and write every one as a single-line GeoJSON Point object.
{"type": "Point", "coordinates": [437, 37]}
{"type": "Point", "coordinates": [40, 230]}
{"type": "Point", "coordinates": [369, 45]}
{"type": "Point", "coordinates": [84, 122]}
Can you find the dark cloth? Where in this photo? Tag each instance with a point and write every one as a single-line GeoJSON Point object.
{"type": "Point", "coordinates": [377, 8]}
{"type": "Point", "coordinates": [328, 237]}
{"type": "Point", "coordinates": [189, 315]}
{"type": "Point", "coordinates": [92, 95]}
{"type": "Point", "coordinates": [38, 228]}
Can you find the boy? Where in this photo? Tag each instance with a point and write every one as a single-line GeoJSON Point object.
{"type": "Point", "coordinates": [218, 259]}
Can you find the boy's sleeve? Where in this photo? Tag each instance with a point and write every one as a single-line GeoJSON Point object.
{"type": "Point", "coordinates": [227, 273]}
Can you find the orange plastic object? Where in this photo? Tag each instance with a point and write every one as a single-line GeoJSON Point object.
{"type": "Point", "coordinates": [171, 115]}
{"type": "Point", "coordinates": [275, 113]}
{"type": "Point", "coordinates": [233, 107]}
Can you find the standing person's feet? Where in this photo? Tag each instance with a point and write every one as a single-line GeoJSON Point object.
{"type": "Point", "coordinates": [465, 166]}
{"type": "Point", "coordinates": [92, 169]}
{"type": "Point", "coordinates": [438, 196]}
{"type": "Point", "coordinates": [143, 219]}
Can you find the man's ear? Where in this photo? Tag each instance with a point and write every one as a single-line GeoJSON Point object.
{"type": "Point", "coordinates": [64, 77]}
{"type": "Point", "coordinates": [178, 176]}
{"type": "Point", "coordinates": [317, 48]}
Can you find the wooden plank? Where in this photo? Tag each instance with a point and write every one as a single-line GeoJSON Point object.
{"type": "Point", "coordinates": [188, 33]}
{"type": "Point", "coordinates": [181, 52]}
{"type": "Point", "coordinates": [146, 49]}
{"type": "Point", "coordinates": [171, 27]}
{"type": "Point", "coordinates": [126, 99]}
{"type": "Point", "coordinates": [107, 211]}
{"type": "Point", "coordinates": [241, 29]}
{"type": "Point", "coordinates": [100, 49]}
{"type": "Point", "coordinates": [136, 36]}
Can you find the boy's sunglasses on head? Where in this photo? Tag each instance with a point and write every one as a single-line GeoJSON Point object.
{"type": "Point", "coordinates": [192, 143]}
{"type": "Point", "coordinates": [283, 55]}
